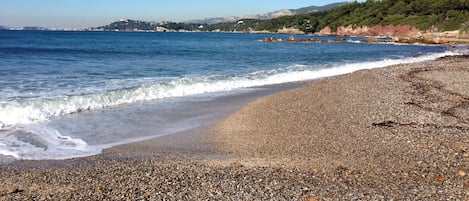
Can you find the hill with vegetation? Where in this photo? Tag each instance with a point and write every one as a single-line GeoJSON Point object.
{"type": "Point", "coordinates": [128, 25]}
{"type": "Point", "coordinates": [442, 15]}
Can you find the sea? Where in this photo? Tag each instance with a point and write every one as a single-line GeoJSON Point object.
{"type": "Point", "coordinates": [74, 94]}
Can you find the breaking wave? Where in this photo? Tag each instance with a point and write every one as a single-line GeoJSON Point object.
{"type": "Point", "coordinates": [27, 111]}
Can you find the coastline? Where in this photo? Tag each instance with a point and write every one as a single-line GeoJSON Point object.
{"type": "Point", "coordinates": [398, 132]}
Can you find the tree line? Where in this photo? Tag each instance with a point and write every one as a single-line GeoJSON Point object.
{"type": "Point", "coordinates": [423, 14]}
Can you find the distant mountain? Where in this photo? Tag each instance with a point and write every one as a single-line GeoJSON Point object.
{"type": "Point", "coordinates": [3, 27]}
{"type": "Point", "coordinates": [275, 14]}
{"type": "Point", "coordinates": [317, 8]}
{"type": "Point", "coordinates": [214, 20]}
{"type": "Point", "coordinates": [271, 15]}
{"type": "Point", "coordinates": [309, 9]}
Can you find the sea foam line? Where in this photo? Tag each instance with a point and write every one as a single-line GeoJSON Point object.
{"type": "Point", "coordinates": [25, 112]}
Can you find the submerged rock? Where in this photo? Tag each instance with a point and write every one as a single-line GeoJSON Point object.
{"type": "Point", "coordinates": [271, 39]}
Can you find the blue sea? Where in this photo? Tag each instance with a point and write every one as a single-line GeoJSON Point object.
{"type": "Point", "coordinates": [73, 94]}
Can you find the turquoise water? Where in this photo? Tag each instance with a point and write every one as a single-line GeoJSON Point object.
{"type": "Point", "coordinates": [60, 92]}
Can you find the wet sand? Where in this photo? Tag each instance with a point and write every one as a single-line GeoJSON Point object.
{"type": "Point", "coordinates": [396, 133]}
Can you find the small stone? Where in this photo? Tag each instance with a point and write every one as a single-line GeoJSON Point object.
{"type": "Point", "coordinates": [461, 173]}
{"type": "Point", "coordinates": [14, 190]}
{"type": "Point", "coordinates": [313, 199]}
{"type": "Point", "coordinates": [441, 179]}
{"type": "Point", "coordinates": [340, 168]}
{"type": "Point", "coordinates": [317, 170]}
{"type": "Point", "coordinates": [237, 165]}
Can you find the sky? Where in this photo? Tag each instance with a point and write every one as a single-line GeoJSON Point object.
{"type": "Point", "coordinates": [92, 13]}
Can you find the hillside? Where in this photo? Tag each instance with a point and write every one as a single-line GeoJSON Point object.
{"type": "Point", "coordinates": [128, 25]}
{"type": "Point", "coordinates": [439, 15]}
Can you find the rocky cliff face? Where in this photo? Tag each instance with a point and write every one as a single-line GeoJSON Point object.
{"type": "Point", "coordinates": [401, 33]}
{"type": "Point", "coordinates": [378, 30]}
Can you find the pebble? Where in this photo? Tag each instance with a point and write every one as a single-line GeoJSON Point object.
{"type": "Point", "coordinates": [14, 190]}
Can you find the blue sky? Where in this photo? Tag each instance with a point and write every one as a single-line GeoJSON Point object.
{"type": "Point", "coordinates": [88, 13]}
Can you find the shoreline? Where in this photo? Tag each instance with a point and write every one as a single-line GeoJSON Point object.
{"type": "Point", "coordinates": [398, 132]}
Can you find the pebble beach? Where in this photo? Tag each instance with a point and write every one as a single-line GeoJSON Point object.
{"type": "Point", "coordinates": [394, 133]}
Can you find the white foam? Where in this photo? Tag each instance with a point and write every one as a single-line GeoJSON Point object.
{"type": "Point", "coordinates": [37, 141]}
{"type": "Point", "coordinates": [354, 41]}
